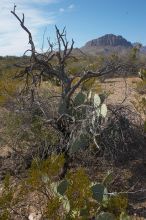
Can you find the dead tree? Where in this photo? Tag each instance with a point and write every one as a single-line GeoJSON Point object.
{"type": "Point", "coordinates": [40, 64]}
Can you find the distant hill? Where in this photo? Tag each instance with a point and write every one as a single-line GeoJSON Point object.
{"type": "Point", "coordinates": [108, 44]}
{"type": "Point", "coordinates": [109, 40]}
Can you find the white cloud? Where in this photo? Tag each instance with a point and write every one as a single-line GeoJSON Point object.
{"type": "Point", "coordinates": [14, 40]}
{"type": "Point", "coordinates": [68, 9]}
{"type": "Point", "coordinates": [71, 6]}
{"type": "Point", "coordinates": [45, 1]}
{"type": "Point", "coordinates": [61, 9]}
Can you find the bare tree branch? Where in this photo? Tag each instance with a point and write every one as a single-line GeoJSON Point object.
{"type": "Point", "coordinates": [26, 29]}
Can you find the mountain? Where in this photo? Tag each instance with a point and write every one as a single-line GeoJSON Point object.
{"type": "Point", "coordinates": [107, 44]}
{"type": "Point", "coordinates": [109, 40]}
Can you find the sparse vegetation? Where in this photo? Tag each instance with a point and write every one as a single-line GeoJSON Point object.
{"type": "Point", "coordinates": [58, 123]}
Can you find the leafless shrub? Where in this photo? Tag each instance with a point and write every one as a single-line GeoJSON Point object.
{"type": "Point", "coordinates": [122, 138]}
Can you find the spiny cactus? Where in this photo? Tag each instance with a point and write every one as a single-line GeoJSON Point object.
{"type": "Point", "coordinates": [62, 187]}
{"type": "Point", "coordinates": [79, 99]}
{"type": "Point", "coordinates": [98, 192]}
{"type": "Point", "coordinates": [100, 107]}
{"type": "Point", "coordinates": [97, 101]}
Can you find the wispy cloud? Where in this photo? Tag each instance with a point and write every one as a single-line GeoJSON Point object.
{"type": "Point", "coordinates": [67, 9]}
{"type": "Point", "coordinates": [71, 6]}
{"type": "Point", "coordinates": [61, 9]}
{"type": "Point", "coordinates": [13, 39]}
{"type": "Point", "coordinates": [45, 1]}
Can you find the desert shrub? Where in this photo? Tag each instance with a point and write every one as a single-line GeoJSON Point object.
{"type": "Point", "coordinates": [74, 197]}
{"type": "Point", "coordinates": [123, 137]}
{"type": "Point", "coordinates": [26, 133]}
{"type": "Point", "coordinates": [9, 88]}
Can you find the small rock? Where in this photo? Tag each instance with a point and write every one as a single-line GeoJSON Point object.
{"type": "Point", "coordinates": [35, 216]}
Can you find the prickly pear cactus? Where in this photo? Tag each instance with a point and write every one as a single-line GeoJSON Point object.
{"type": "Point", "coordinates": [98, 192]}
{"type": "Point", "coordinates": [97, 101]}
{"type": "Point", "coordinates": [62, 187]}
{"type": "Point", "coordinates": [103, 110]}
{"type": "Point", "coordinates": [79, 99]}
{"type": "Point", "coordinates": [100, 108]}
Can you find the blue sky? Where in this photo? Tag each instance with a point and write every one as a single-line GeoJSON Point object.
{"type": "Point", "coordinates": [84, 20]}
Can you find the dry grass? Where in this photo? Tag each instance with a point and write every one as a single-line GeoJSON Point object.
{"type": "Point", "coordinates": [121, 89]}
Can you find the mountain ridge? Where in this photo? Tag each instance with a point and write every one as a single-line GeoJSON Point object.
{"type": "Point", "coordinates": [109, 40]}
{"type": "Point", "coordinates": [110, 43]}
